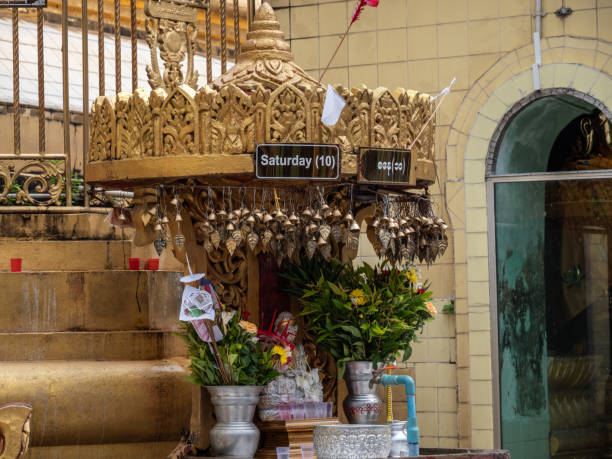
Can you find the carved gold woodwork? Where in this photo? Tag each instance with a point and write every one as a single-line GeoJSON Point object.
{"type": "Point", "coordinates": [14, 430]}
{"type": "Point", "coordinates": [171, 30]}
{"type": "Point", "coordinates": [265, 97]}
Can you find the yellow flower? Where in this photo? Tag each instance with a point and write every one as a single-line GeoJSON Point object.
{"type": "Point", "coordinates": [249, 327]}
{"type": "Point", "coordinates": [281, 352]}
{"type": "Point", "coordinates": [411, 275]}
{"type": "Point", "coordinates": [361, 316]}
{"type": "Point", "coordinates": [431, 308]}
{"type": "Point", "coordinates": [358, 297]}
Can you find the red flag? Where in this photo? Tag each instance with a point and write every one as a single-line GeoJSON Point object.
{"type": "Point", "coordinates": [360, 7]}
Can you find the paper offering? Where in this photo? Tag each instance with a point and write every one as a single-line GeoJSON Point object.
{"type": "Point", "coordinates": [196, 305]}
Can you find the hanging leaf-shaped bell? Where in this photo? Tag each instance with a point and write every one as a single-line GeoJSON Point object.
{"type": "Point", "coordinates": [393, 224]}
{"type": "Point", "coordinates": [250, 219]}
{"type": "Point", "coordinates": [230, 245]}
{"type": "Point", "coordinates": [179, 241]}
{"type": "Point", "coordinates": [385, 238]}
{"type": "Point", "coordinates": [212, 217]}
{"type": "Point", "coordinates": [252, 240]}
{"type": "Point", "coordinates": [122, 217]}
{"type": "Point", "coordinates": [290, 248]}
{"type": "Point", "coordinates": [222, 214]}
{"type": "Point", "coordinates": [355, 227]}
{"type": "Point", "coordinates": [230, 227]}
{"type": "Point", "coordinates": [375, 223]}
{"type": "Point", "coordinates": [178, 218]}
{"type": "Point", "coordinates": [353, 241]}
{"type": "Point", "coordinates": [237, 237]}
{"type": "Point", "coordinates": [266, 238]}
{"type": "Point", "coordinates": [336, 233]}
{"type": "Point", "coordinates": [307, 212]}
{"type": "Point", "coordinates": [336, 214]}
{"type": "Point", "coordinates": [174, 201]}
{"type": "Point", "coordinates": [311, 228]}
{"type": "Point", "coordinates": [349, 217]}
{"type": "Point", "coordinates": [160, 245]}
{"type": "Point", "coordinates": [267, 218]}
{"type": "Point", "coordinates": [215, 239]}
{"type": "Point", "coordinates": [294, 218]}
{"type": "Point", "coordinates": [317, 217]}
{"type": "Point", "coordinates": [259, 214]}
{"type": "Point", "coordinates": [165, 220]}
{"type": "Point", "coordinates": [311, 247]}
{"type": "Point", "coordinates": [279, 215]}
{"type": "Point", "coordinates": [158, 227]}
{"type": "Point", "coordinates": [324, 231]}
{"type": "Point", "coordinates": [325, 251]}
{"type": "Point", "coordinates": [442, 244]}
{"type": "Point", "coordinates": [153, 210]}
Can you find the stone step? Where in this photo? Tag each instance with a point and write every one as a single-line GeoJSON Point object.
{"type": "Point", "coordinates": [94, 403]}
{"type": "Point", "coordinates": [105, 345]}
{"type": "Point", "coordinates": [86, 255]}
{"type": "Point", "coordinates": [80, 226]}
{"type": "Point", "coordinates": [89, 301]}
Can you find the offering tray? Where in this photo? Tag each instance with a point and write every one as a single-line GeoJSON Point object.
{"type": "Point", "coordinates": [293, 434]}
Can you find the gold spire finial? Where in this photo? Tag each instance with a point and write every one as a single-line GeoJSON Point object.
{"type": "Point", "coordinates": [265, 57]}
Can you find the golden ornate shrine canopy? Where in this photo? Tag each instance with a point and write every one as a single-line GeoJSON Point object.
{"type": "Point", "coordinates": [178, 131]}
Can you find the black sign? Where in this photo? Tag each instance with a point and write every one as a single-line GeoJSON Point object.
{"type": "Point", "coordinates": [23, 3]}
{"type": "Point", "coordinates": [386, 166]}
{"type": "Point", "coordinates": [297, 161]}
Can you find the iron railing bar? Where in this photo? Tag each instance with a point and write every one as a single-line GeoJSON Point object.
{"type": "Point", "coordinates": [16, 108]}
{"type": "Point", "coordinates": [101, 73]}
{"type": "Point", "coordinates": [250, 8]}
{"type": "Point", "coordinates": [25, 156]}
{"type": "Point", "coordinates": [208, 45]}
{"type": "Point", "coordinates": [66, 94]}
{"type": "Point", "coordinates": [42, 141]}
{"type": "Point", "coordinates": [133, 38]}
{"type": "Point", "coordinates": [117, 47]}
{"type": "Point", "coordinates": [236, 30]}
{"type": "Point", "coordinates": [85, 51]}
{"type": "Point", "coordinates": [223, 19]}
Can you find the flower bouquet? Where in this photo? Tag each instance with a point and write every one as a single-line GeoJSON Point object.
{"type": "Point", "coordinates": [233, 366]}
{"type": "Point", "coordinates": [361, 314]}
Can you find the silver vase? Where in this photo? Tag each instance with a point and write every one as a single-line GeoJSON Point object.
{"type": "Point", "coordinates": [362, 405]}
{"type": "Point", "coordinates": [234, 434]}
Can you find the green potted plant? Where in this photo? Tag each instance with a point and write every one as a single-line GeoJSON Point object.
{"type": "Point", "coordinates": [234, 371]}
{"type": "Point", "coordinates": [363, 317]}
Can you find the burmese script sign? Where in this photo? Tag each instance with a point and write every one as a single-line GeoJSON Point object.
{"type": "Point", "coordinates": [297, 161]}
{"type": "Point", "coordinates": [386, 166]}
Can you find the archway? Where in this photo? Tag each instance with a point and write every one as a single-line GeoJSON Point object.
{"type": "Point", "coordinates": [551, 175]}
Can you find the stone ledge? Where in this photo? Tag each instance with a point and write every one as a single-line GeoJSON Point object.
{"type": "Point", "coordinates": [81, 402]}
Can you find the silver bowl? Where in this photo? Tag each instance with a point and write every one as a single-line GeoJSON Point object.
{"type": "Point", "coordinates": [352, 441]}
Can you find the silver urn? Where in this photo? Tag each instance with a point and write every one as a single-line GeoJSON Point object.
{"type": "Point", "coordinates": [234, 434]}
{"type": "Point", "coordinates": [362, 405]}
{"type": "Point", "coordinates": [399, 439]}
{"type": "Point", "coordinates": [351, 441]}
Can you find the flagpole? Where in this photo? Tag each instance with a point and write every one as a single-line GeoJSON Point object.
{"type": "Point", "coordinates": [335, 52]}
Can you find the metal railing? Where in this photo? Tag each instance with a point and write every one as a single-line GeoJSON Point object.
{"type": "Point", "coordinates": [46, 179]}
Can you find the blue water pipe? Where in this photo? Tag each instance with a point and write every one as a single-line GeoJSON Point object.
{"type": "Point", "coordinates": [412, 427]}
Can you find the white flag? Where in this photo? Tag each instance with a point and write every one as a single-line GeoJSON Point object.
{"type": "Point", "coordinates": [333, 106]}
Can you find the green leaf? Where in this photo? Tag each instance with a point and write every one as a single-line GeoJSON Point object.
{"type": "Point", "coordinates": [351, 329]}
